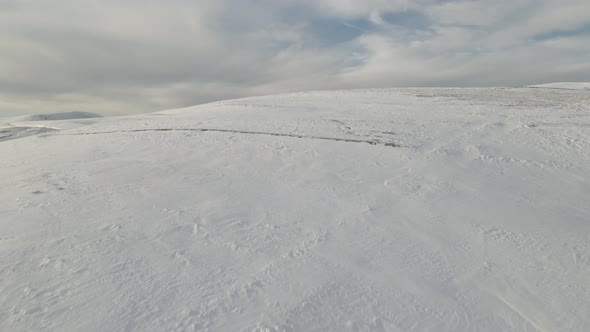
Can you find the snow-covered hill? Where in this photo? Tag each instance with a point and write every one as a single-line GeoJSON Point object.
{"type": "Point", "coordinates": [565, 85]}
{"type": "Point", "coordinates": [371, 210]}
{"type": "Point", "coordinates": [56, 116]}
{"type": "Point", "coordinates": [23, 126]}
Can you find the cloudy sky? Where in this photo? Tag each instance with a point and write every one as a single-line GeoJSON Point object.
{"type": "Point", "coordinates": [133, 56]}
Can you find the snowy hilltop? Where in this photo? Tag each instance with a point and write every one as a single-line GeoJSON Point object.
{"type": "Point", "coordinates": [564, 85]}
{"type": "Point", "coordinates": [365, 210]}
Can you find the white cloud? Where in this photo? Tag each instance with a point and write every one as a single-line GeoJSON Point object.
{"type": "Point", "coordinates": [117, 57]}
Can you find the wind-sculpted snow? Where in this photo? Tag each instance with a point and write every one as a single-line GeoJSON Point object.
{"type": "Point", "coordinates": [369, 210]}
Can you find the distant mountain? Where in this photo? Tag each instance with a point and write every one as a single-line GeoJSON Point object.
{"type": "Point", "coordinates": [56, 116]}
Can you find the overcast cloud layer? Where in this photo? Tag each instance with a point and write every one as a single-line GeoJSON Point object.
{"type": "Point", "coordinates": [121, 57]}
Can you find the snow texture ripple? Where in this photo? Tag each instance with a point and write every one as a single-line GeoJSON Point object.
{"type": "Point", "coordinates": [367, 210]}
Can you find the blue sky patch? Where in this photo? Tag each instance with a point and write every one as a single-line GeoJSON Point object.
{"type": "Point", "coordinates": [583, 30]}
{"type": "Point", "coordinates": [332, 32]}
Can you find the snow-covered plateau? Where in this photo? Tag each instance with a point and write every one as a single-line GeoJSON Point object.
{"type": "Point", "coordinates": [564, 85]}
{"type": "Point", "coordinates": [366, 210]}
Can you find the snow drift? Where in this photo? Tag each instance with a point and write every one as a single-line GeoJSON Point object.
{"type": "Point", "coordinates": [370, 210]}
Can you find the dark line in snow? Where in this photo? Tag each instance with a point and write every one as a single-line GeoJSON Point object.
{"type": "Point", "coordinates": [325, 138]}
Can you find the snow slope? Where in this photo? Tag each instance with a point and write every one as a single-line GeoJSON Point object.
{"type": "Point", "coordinates": [370, 210]}
{"type": "Point", "coordinates": [56, 116]}
{"type": "Point", "coordinates": [22, 126]}
{"type": "Point", "coordinates": [565, 85]}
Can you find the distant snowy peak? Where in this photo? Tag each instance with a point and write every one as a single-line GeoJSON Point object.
{"type": "Point", "coordinates": [564, 85]}
{"type": "Point", "coordinates": [57, 116]}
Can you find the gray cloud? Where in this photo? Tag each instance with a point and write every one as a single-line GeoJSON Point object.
{"type": "Point", "coordinates": [116, 57]}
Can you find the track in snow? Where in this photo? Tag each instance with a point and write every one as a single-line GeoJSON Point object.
{"type": "Point", "coordinates": [335, 139]}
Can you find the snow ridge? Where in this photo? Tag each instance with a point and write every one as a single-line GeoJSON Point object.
{"type": "Point", "coordinates": [564, 85]}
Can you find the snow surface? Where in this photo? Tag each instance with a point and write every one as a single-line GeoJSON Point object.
{"type": "Point", "coordinates": [370, 210]}
{"type": "Point", "coordinates": [56, 116]}
{"type": "Point", "coordinates": [565, 85]}
{"type": "Point", "coordinates": [22, 126]}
